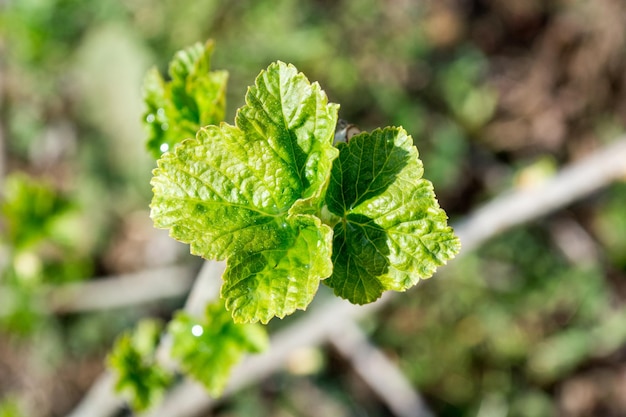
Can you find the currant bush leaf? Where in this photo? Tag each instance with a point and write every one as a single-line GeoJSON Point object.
{"type": "Point", "coordinates": [248, 191]}
{"type": "Point", "coordinates": [208, 348]}
{"type": "Point", "coordinates": [194, 97]}
{"type": "Point", "coordinates": [294, 118]}
{"type": "Point", "coordinates": [391, 231]}
{"type": "Point", "coordinates": [276, 282]}
{"type": "Point", "coordinates": [132, 359]}
{"type": "Point", "coordinates": [31, 209]}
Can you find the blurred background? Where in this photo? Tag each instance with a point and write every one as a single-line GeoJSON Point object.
{"type": "Point", "coordinates": [497, 94]}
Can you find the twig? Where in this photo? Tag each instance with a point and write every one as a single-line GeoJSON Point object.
{"type": "Point", "coordinates": [100, 400]}
{"type": "Point", "coordinates": [189, 398]}
{"type": "Point", "coordinates": [382, 375]}
{"type": "Point", "coordinates": [575, 181]}
{"type": "Point", "coordinates": [120, 291]}
{"type": "Point", "coordinates": [205, 288]}
{"type": "Point", "coordinates": [574, 241]}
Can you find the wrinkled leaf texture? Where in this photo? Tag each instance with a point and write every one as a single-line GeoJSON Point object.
{"type": "Point", "coordinates": [248, 193]}
{"type": "Point", "coordinates": [392, 231]}
{"type": "Point", "coordinates": [253, 193]}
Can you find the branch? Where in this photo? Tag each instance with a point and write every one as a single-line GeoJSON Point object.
{"type": "Point", "coordinates": [382, 375]}
{"type": "Point", "coordinates": [206, 288]}
{"type": "Point", "coordinates": [519, 206]}
{"type": "Point", "coordinates": [573, 182]}
{"type": "Point", "coordinates": [101, 399]}
{"type": "Point", "coordinates": [120, 291]}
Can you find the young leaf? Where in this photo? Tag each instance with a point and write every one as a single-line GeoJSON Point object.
{"type": "Point", "coordinates": [194, 97]}
{"type": "Point", "coordinates": [391, 230]}
{"type": "Point", "coordinates": [209, 348]}
{"type": "Point", "coordinates": [295, 119]}
{"type": "Point", "coordinates": [248, 191]}
{"type": "Point", "coordinates": [276, 282]}
{"type": "Point", "coordinates": [31, 209]}
{"type": "Point", "coordinates": [138, 375]}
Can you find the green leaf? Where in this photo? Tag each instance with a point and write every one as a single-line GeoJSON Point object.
{"type": "Point", "coordinates": [294, 118]}
{"type": "Point", "coordinates": [248, 191]}
{"type": "Point", "coordinates": [43, 247]}
{"type": "Point", "coordinates": [132, 359]}
{"type": "Point", "coordinates": [210, 347]}
{"type": "Point", "coordinates": [276, 282]}
{"type": "Point", "coordinates": [194, 97]}
{"type": "Point", "coordinates": [31, 209]}
{"type": "Point", "coordinates": [19, 314]}
{"type": "Point", "coordinates": [9, 407]}
{"type": "Point", "coordinates": [391, 231]}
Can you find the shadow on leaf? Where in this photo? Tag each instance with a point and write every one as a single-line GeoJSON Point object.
{"type": "Point", "coordinates": [360, 258]}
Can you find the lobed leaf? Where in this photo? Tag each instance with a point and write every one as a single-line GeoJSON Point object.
{"type": "Point", "coordinates": [296, 121]}
{"type": "Point", "coordinates": [391, 231]}
{"type": "Point", "coordinates": [248, 191]}
{"type": "Point", "coordinates": [277, 281]}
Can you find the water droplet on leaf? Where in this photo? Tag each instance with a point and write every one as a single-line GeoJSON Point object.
{"type": "Point", "coordinates": [197, 330]}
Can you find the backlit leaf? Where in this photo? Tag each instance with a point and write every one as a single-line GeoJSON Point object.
{"type": "Point", "coordinates": [248, 192]}
{"type": "Point", "coordinates": [194, 97]}
{"type": "Point", "coordinates": [391, 231]}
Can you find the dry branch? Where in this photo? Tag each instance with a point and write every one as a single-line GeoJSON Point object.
{"type": "Point", "coordinates": [380, 374]}
{"type": "Point", "coordinates": [121, 291]}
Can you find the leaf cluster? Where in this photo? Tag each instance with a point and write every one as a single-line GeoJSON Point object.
{"type": "Point", "coordinates": [138, 376]}
{"type": "Point", "coordinates": [213, 343]}
{"type": "Point", "coordinates": [193, 97]}
{"type": "Point", "coordinates": [287, 209]}
{"type": "Point", "coordinates": [41, 247]}
{"type": "Point", "coordinates": [206, 349]}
